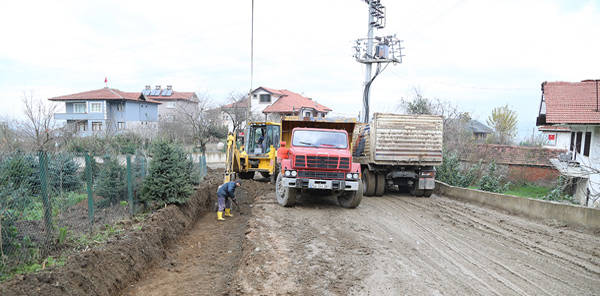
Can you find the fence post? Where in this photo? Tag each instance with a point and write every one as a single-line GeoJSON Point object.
{"type": "Point", "coordinates": [43, 159]}
{"type": "Point", "coordinates": [129, 185]}
{"type": "Point", "coordinates": [204, 170]}
{"type": "Point", "coordinates": [143, 169]}
{"type": "Point", "coordinates": [88, 178]}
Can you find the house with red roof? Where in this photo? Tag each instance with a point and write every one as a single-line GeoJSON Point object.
{"type": "Point", "coordinates": [107, 110]}
{"type": "Point", "coordinates": [172, 102]}
{"type": "Point", "coordinates": [271, 104]}
{"type": "Point", "coordinates": [576, 106]}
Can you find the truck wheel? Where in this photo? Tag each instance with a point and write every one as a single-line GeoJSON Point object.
{"type": "Point", "coordinates": [428, 192]}
{"type": "Point", "coordinates": [265, 175]}
{"type": "Point", "coordinates": [416, 192]}
{"type": "Point", "coordinates": [351, 199]}
{"type": "Point", "coordinates": [246, 175]}
{"type": "Point", "coordinates": [380, 184]}
{"type": "Point", "coordinates": [286, 196]}
{"type": "Point", "coordinates": [368, 182]}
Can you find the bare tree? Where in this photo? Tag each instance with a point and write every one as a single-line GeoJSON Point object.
{"type": "Point", "coordinates": [236, 110]}
{"type": "Point", "coordinates": [9, 141]}
{"type": "Point", "coordinates": [40, 127]}
{"type": "Point", "coordinates": [196, 125]}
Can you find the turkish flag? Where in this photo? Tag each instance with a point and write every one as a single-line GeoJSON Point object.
{"type": "Point", "coordinates": [551, 137]}
{"type": "Point", "coordinates": [105, 80]}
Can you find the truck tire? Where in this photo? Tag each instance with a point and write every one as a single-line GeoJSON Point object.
{"type": "Point", "coordinates": [246, 175]}
{"type": "Point", "coordinates": [428, 192]}
{"type": "Point", "coordinates": [265, 175]}
{"type": "Point", "coordinates": [286, 196]}
{"type": "Point", "coordinates": [380, 184]}
{"type": "Point", "coordinates": [414, 191]}
{"type": "Point", "coordinates": [351, 199]}
{"type": "Point", "coordinates": [368, 182]}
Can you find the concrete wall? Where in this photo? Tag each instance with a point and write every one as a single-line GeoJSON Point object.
{"type": "Point", "coordinates": [533, 208]}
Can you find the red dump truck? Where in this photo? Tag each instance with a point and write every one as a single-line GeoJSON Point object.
{"type": "Point", "coordinates": [314, 155]}
{"type": "Point", "coordinates": [399, 150]}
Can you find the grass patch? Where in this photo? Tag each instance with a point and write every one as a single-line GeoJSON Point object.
{"type": "Point", "coordinates": [529, 191]}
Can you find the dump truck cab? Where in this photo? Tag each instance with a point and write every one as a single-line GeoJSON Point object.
{"type": "Point", "coordinates": [315, 156]}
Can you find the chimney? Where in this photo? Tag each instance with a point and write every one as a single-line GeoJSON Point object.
{"type": "Point", "coordinates": [148, 87]}
{"type": "Point", "coordinates": [169, 87]}
{"type": "Point", "coordinates": [158, 86]}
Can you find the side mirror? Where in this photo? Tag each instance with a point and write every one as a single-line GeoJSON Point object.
{"type": "Point", "coordinates": [282, 144]}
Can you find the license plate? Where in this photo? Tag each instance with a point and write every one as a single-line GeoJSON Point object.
{"type": "Point", "coordinates": [314, 185]}
{"type": "Point", "coordinates": [320, 186]}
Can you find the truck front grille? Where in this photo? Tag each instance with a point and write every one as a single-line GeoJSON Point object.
{"type": "Point", "coordinates": [322, 162]}
{"type": "Point", "coordinates": [320, 175]}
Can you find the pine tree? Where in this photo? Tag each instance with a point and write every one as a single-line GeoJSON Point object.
{"type": "Point", "coordinates": [112, 180]}
{"type": "Point", "coordinates": [168, 179]}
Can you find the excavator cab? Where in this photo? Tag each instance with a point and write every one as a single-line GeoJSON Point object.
{"type": "Point", "coordinates": [261, 136]}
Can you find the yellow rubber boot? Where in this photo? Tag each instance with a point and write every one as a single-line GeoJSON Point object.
{"type": "Point", "coordinates": [220, 216]}
{"type": "Point", "coordinates": [228, 213]}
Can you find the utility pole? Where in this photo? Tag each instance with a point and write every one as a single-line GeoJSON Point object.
{"type": "Point", "coordinates": [249, 110]}
{"type": "Point", "coordinates": [387, 50]}
{"type": "Point", "coordinates": [369, 52]}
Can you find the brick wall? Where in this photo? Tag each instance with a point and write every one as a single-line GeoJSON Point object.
{"type": "Point", "coordinates": [520, 163]}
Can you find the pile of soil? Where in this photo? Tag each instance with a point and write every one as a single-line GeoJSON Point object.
{"type": "Point", "coordinates": [110, 267]}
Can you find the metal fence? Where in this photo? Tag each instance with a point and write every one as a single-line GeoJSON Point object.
{"type": "Point", "coordinates": [49, 199]}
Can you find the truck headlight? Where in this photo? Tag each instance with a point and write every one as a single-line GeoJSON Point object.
{"type": "Point", "coordinates": [294, 173]}
{"type": "Point", "coordinates": [348, 176]}
{"type": "Point", "coordinates": [287, 173]}
{"type": "Point", "coordinates": [355, 176]}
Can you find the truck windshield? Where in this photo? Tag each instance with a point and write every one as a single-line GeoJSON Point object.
{"type": "Point", "coordinates": [322, 139]}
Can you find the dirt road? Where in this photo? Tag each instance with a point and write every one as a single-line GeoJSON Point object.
{"type": "Point", "coordinates": [391, 245]}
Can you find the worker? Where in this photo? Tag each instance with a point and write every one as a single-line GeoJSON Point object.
{"type": "Point", "coordinates": [225, 193]}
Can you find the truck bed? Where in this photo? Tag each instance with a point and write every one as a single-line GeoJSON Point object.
{"type": "Point", "coordinates": [396, 139]}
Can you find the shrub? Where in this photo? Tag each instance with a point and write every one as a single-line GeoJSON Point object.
{"type": "Point", "coordinates": [112, 180]}
{"type": "Point", "coordinates": [450, 172]}
{"type": "Point", "coordinates": [491, 181]}
{"type": "Point", "coordinates": [169, 176]}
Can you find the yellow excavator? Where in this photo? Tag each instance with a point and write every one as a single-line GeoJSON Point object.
{"type": "Point", "coordinates": [253, 150]}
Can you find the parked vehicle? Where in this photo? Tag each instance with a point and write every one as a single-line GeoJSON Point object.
{"type": "Point", "coordinates": [315, 157]}
{"type": "Point", "coordinates": [402, 150]}
{"type": "Point", "coordinates": [253, 150]}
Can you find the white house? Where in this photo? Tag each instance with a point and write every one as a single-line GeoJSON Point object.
{"type": "Point", "coordinates": [575, 105]}
{"type": "Point", "coordinates": [556, 137]}
{"type": "Point", "coordinates": [271, 104]}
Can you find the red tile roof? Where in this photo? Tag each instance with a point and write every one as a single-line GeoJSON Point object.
{"type": "Point", "coordinates": [243, 103]}
{"type": "Point", "coordinates": [572, 102]}
{"type": "Point", "coordinates": [104, 94]}
{"type": "Point", "coordinates": [291, 101]}
{"type": "Point", "coordinates": [175, 95]}
{"type": "Point", "coordinates": [554, 128]}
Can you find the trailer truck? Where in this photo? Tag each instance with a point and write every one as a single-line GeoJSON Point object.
{"type": "Point", "coordinates": [398, 150]}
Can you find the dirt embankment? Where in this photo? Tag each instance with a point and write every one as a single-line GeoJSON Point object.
{"type": "Point", "coordinates": [108, 269]}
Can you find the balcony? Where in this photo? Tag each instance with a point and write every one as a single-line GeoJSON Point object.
{"type": "Point", "coordinates": [79, 116]}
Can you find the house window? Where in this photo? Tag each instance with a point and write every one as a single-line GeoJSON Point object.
{"type": "Point", "coordinates": [78, 107]}
{"type": "Point", "coordinates": [225, 117]}
{"type": "Point", "coordinates": [96, 126]}
{"type": "Point", "coordinates": [120, 107]}
{"type": "Point", "coordinates": [121, 125]}
{"type": "Point", "coordinates": [572, 146]}
{"type": "Point", "coordinates": [588, 141]}
{"type": "Point", "coordinates": [81, 126]}
{"type": "Point", "coordinates": [266, 98]}
{"type": "Point", "coordinates": [170, 105]}
{"type": "Point", "coordinates": [96, 107]}
{"type": "Point", "coordinates": [578, 142]}
{"type": "Point", "coordinates": [307, 114]}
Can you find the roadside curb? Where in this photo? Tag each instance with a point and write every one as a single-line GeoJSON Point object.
{"type": "Point", "coordinates": [533, 208]}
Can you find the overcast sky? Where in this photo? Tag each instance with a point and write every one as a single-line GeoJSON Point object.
{"type": "Point", "coordinates": [478, 55]}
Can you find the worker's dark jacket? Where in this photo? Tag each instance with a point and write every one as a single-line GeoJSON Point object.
{"type": "Point", "coordinates": [227, 190]}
